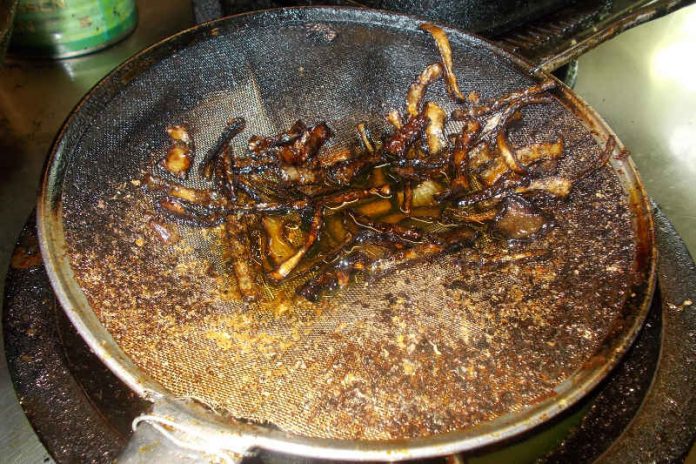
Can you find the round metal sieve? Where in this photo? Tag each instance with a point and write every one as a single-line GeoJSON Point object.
{"type": "Point", "coordinates": [444, 356]}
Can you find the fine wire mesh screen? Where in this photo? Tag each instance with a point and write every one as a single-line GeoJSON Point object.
{"type": "Point", "coordinates": [437, 347]}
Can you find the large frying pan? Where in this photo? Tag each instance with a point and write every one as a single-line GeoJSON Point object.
{"type": "Point", "coordinates": [148, 310]}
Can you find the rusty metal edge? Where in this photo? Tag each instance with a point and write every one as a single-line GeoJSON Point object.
{"type": "Point", "coordinates": [574, 47]}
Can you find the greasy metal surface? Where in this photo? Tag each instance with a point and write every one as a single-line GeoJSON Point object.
{"type": "Point", "coordinates": [559, 38]}
{"type": "Point", "coordinates": [611, 407]}
{"type": "Point", "coordinates": [550, 33]}
{"type": "Point", "coordinates": [468, 15]}
{"type": "Point", "coordinates": [536, 37]}
{"type": "Point", "coordinates": [577, 138]}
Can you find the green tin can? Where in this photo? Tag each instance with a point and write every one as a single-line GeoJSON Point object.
{"type": "Point", "coordinates": [67, 28]}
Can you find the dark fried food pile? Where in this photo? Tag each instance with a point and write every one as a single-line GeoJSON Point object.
{"type": "Point", "coordinates": [293, 208]}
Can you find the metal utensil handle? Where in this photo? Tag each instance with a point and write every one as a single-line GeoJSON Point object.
{"type": "Point", "coordinates": [167, 434]}
{"type": "Point", "coordinates": [149, 445]}
{"type": "Point", "coordinates": [572, 48]}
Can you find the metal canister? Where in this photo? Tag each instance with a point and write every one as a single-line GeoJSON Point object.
{"type": "Point", "coordinates": [67, 28]}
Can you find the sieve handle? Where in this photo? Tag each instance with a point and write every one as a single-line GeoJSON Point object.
{"type": "Point", "coordinates": [177, 431]}
{"type": "Point", "coordinates": [148, 445]}
{"type": "Point", "coordinates": [565, 51]}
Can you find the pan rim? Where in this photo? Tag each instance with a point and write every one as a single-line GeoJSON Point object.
{"type": "Point", "coordinates": [49, 219]}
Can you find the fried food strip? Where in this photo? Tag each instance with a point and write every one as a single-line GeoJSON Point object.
{"type": "Point", "coordinates": [312, 140]}
{"type": "Point", "coordinates": [260, 145]}
{"type": "Point", "coordinates": [435, 128]}
{"type": "Point", "coordinates": [500, 190]}
{"type": "Point", "coordinates": [274, 207]}
{"type": "Point", "coordinates": [418, 170]}
{"type": "Point", "coordinates": [306, 146]}
{"type": "Point", "coordinates": [407, 202]}
{"type": "Point", "coordinates": [231, 130]}
{"type": "Point", "coordinates": [443, 46]}
{"type": "Point", "coordinates": [188, 214]}
{"type": "Point", "coordinates": [499, 103]}
{"type": "Point", "coordinates": [416, 91]}
{"type": "Point", "coordinates": [224, 176]}
{"type": "Point", "coordinates": [365, 137]}
{"type": "Point", "coordinates": [300, 175]}
{"type": "Point", "coordinates": [501, 121]}
{"type": "Point", "coordinates": [508, 155]}
{"type": "Point", "coordinates": [399, 142]}
{"type": "Point", "coordinates": [392, 232]}
{"type": "Point", "coordinates": [540, 152]}
{"type": "Point", "coordinates": [246, 185]}
{"type": "Point", "coordinates": [238, 252]}
{"type": "Point", "coordinates": [394, 118]}
{"type": "Point", "coordinates": [329, 158]}
{"type": "Point", "coordinates": [180, 154]}
{"type": "Point", "coordinates": [339, 200]}
{"type": "Point", "coordinates": [334, 277]}
{"type": "Point", "coordinates": [476, 217]}
{"type": "Point", "coordinates": [343, 173]}
{"type": "Point", "coordinates": [194, 207]}
{"type": "Point", "coordinates": [289, 172]}
{"type": "Point", "coordinates": [183, 200]}
{"type": "Point", "coordinates": [556, 186]}
{"type": "Point", "coordinates": [347, 261]}
{"type": "Point", "coordinates": [191, 195]}
{"type": "Point", "coordinates": [559, 186]}
{"type": "Point", "coordinates": [393, 259]}
{"type": "Point", "coordinates": [285, 268]}
{"type": "Point", "coordinates": [460, 156]}
{"type": "Point", "coordinates": [449, 242]}
{"type": "Point", "coordinates": [527, 156]}
{"type": "Point", "coordinates": [178, 160]}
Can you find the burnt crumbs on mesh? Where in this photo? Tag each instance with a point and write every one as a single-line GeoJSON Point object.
{"type": "Point", "coordinates": [456, 279]}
